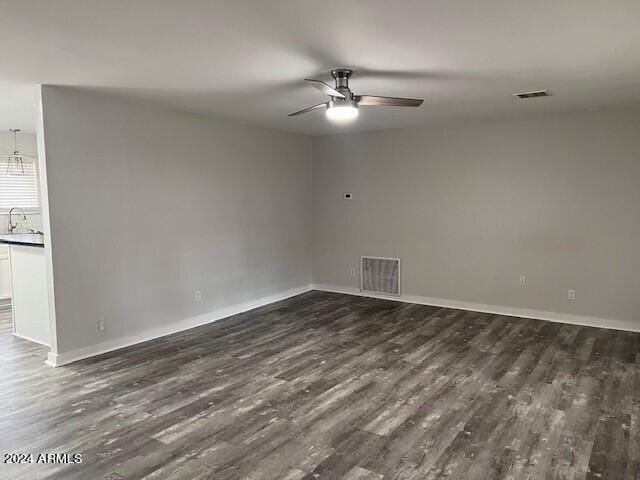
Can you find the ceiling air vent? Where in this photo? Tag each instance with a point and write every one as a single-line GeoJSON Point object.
{"type": "Point", "coordinates": [536, 94]}
{"type": "Point", "coordinates": [380, 275]}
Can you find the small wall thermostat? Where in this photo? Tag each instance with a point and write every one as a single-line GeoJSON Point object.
{"type": "Point", "coordinates": [347, 196]}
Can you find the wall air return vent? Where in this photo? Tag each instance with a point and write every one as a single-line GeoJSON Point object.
{"type": "Point", "coordinates": [380, 275]}
{"type": "Point", "coordinates": [536, 94]}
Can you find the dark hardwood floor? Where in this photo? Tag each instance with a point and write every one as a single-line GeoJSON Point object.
{"type": "Point", "coordinates": [329, 386]}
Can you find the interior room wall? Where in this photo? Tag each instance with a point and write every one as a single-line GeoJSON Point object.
{"type": "Point", "coordinates": [147, 206]}
{"type": "Point", "coordinates": [469, 208]}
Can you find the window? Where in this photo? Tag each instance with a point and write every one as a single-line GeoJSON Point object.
{"type": "Point", "coordinates": [17, 189]}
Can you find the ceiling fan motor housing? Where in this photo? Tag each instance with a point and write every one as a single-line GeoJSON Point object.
{"type": "Point", "coordinates": [341, 75]}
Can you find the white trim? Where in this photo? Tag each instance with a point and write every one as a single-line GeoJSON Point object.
{"type": "Point", "coordinates": [55, 360]}
{"type": "Point", "coordinates": [571, 319]}
{"type": "Point", "coordinates": [45, 222]}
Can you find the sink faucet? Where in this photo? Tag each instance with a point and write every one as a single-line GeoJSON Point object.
{"type": "Point", "coordinates": [12, 227]}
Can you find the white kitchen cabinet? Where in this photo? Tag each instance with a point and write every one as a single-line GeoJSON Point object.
{"type": "Point", "coordinates": [29, 298]}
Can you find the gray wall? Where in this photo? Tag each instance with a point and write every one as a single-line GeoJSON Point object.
{"type": "Point", "coordinates": [147, 205]}
{"type": "Point", "coordinates": [469, 208]}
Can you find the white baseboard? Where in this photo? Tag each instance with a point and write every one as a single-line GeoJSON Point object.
{"type": "Point", "coordinates": [585, 321]}
{"type": "Point", "coordinates": [56, 360]}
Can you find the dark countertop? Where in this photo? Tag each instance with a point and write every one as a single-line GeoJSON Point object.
{"type": "Point", "coordinates": [26, 239]}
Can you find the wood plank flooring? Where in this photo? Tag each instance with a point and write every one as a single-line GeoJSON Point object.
{"type": "Point", "coordinates": [330, 386]}
{"type": "Point", "coordinates": [6, 322]}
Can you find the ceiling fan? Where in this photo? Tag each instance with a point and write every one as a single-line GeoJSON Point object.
{"type": "Point", "coordinates": [344, 104]}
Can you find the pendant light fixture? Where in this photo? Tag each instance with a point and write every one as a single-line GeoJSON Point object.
{"type": "Point", "coordinates": [15, 160]}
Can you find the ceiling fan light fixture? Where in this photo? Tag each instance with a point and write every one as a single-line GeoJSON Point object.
{"type": "Point", "coordinates": [341, 111]}
{"type": "Point", "coordinates": [343, 105]}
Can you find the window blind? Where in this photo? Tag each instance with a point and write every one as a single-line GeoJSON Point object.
{"type": "Point", "coordinates": [16, 189]}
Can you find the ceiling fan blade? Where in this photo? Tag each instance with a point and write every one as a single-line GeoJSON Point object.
{"type": "Point", "coordinates": [372, 101]}
{"type": "Point", "coordinates": [308, 109]}
{"type": "Point", "coordinates": [324, 88]}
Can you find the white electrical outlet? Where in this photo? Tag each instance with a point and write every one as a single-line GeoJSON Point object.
{"type": "Point", "coordinates": [523, 279]}
{"type": "Point", "coordinates": [353, 271]}
{"type": "Point", "coordinates": [102, 325]}
{"type": "Point", "coordinates": [198, 295]}
{"type": "Point", "coordinates": [571, 294]}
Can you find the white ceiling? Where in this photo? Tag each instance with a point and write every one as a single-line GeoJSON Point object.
{"type": "Point", "coordinates": [246, 59]}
